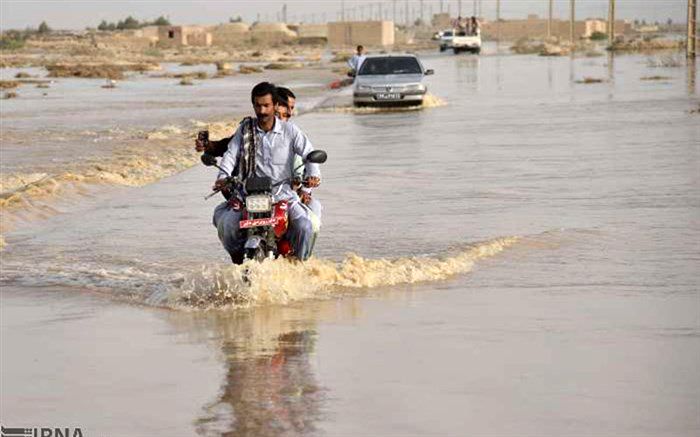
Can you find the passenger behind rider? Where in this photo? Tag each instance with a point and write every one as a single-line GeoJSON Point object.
{"type": "Point", "coordinates": [277, 143]}
{"type": "Point", "coordinates": [286, 102]}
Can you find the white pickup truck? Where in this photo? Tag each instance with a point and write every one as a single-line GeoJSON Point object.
{"type": "Point", "coordinates": [462, 42]}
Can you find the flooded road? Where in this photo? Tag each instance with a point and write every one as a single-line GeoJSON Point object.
{"type": "Point", "coordinates": [521, 260]}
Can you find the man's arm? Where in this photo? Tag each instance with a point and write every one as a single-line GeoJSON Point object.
{"type": "Point", "coordinates": [302, 147]}
{"type": "Point", "coordinates": [230, 155]}
{"type": "Point", "coordinates": [218, 148]}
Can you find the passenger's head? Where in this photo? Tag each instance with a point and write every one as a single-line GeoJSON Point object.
{"type": "Point", "coordinates": [360, 49]}
{"type": "Point", "coordinates": [286, 101]}
{"type": "Point", "coordinates": [264, 97]}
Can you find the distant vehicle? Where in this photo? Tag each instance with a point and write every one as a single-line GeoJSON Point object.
{"type": "Point", "coordinates": [390, 80]}
{"type": "Point", "coordinates": [462, 42]}
{"type": "Point", "coordinates": [445, 39]}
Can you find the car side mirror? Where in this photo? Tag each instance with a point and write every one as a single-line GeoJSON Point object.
{"type": "Point", "coordinates": [429, 72]}
{"type": "Point", "coordinates": [351, 74]}
{"type": "Point", "coordinates": [317, 157]}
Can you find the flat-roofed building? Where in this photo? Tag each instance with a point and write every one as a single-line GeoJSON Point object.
{"type": "Point", "coordinates": [367, 33]}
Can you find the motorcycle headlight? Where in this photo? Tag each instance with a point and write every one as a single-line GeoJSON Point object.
{"type": "Point", "coordinates": [258, 203]}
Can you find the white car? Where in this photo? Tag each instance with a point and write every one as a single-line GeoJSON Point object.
{"type": "Point", "coordinates": [390, 80]}
{"type": "Point", "coordinates": [445, 39]}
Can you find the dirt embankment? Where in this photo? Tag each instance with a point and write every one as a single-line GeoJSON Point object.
{"type": "Point", "coordinates": [558, 47]}
{"type": "Point", "coordinates": [91, 50]}
{"type": "Point", "coordinates": [108, 71]}
{"type": "Point", "coordinates": [646, 45]}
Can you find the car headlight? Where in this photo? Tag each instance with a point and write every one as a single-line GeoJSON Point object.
{"type": "Point", "coordinates": [415, 87]}
{"type": "Point", "coordinates": [364, 88]}
{"type": "Point", "coordinates": [259, 203]}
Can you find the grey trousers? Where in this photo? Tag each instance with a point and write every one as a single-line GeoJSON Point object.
{"type": "Point", "coordinates": [300, 232]}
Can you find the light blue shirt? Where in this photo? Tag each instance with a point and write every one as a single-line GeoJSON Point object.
{"type": "Point", "coordinates": [274, 155]}
{"type": "Point", "coordinates": [356, 62]}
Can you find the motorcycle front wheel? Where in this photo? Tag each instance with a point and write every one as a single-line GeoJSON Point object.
{"type": "Point", "coordinates": [258, 254]}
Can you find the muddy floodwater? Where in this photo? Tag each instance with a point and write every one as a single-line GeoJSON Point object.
{"type": "Point", "coordinates": [519, 257]}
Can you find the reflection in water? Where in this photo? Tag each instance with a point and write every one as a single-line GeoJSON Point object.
{"type": "Point", "coordinates": [269, 387]}
{"type": "Point", "coordinates": [611, 74]}
{"type": "Point", "coordinates": [692, 75]}
{"type": "Point", "coordinates": [572, 73]}
{"type": "Point", "coordinates": [468, 69]}
{"type": "Point", "coordinates": [274, 392]}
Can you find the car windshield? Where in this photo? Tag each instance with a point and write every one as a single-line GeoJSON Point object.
{"type": "Point", "coordinates": [390, 65]}
{"type": "Point", "coordinates": [447, 33]}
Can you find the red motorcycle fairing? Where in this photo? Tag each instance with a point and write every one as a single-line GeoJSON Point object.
{"type": "Point", "coordinates": [281, 215]}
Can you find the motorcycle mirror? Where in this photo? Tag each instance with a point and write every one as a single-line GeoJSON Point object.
{"type": "Point", "coordinates": [208, 159]}
{"type": "Point", "coordinates": [317, 157]}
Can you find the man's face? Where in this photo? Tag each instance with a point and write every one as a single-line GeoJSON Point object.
{"type": "Point", "coordinates": [290, 107]}
{"type": "Point", "coordinates": [264, 108]}
{"type": "Point", "coordinates": [285, 112]}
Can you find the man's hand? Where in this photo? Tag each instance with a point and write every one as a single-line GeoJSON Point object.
{"type": "Point", "coordinates": [313, 181]}
{"type": "Point", "coordinates": [219, 185]}
{"type": "Point", "coordinates": [201, 146]}
{"type": "Point", "coordinates": [305, 197]}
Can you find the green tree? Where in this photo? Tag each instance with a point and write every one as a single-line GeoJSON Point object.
{"type": "Point", "coordinates": [238, 19]}
{"type": "Point", "coordinates": [131, 23]}
{"type": "Point", "coordinates": [599, 36]}
{"type": "Point", "coordinates": [44, 28]}
{"type": "Point", "coordinates": [103, 26]}
{"type": "Point", "coordinates": [161, 21]}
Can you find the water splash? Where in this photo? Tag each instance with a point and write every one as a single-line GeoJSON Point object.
{"type": "Point", "coordinates": [429, 101]}
{"type": "Point", "coordinates": [281, 282]}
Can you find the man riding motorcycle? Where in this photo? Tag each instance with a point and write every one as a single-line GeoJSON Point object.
{"type": "Point", "coordinates": [276, 144]}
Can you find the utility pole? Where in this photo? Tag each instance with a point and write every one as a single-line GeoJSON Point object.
{"type": "Point", "coordinates": [381, 11]}
{"type": "Point", "coordinates": [611, 22]}
{"type": "Point", "coordinates": [284, 13]}
{"type": "Point", "coordinates": [459, 8]}
{"type": "Point", "coordinates": [342, 10]}
{"type": "Point", "coordinates": [474, 11]}
{"type": "Point", "coordinates": [393, 6]}
{"type": "Point", "coordinates": [441, 6]}
{"type": "Point", "coordinates": [405, 11]}
{"type": "Point", "coordinates": [498, 20]}
{"type": "Point", "coordinates": [421, 11]}
{"type": "Point", "coordinates": [572, 22]}
{"type": "Point", "coordinates": [549, 20]}
{"type": "Point", "coordinates": [692, 28]}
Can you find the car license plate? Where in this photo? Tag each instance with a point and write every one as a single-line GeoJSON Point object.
{"type": "Point", "coordinates": [388, 96]}
{"type": "Point", "coordinates": [254, 223]}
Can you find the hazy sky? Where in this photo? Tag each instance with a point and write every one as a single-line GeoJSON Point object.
{"type": "Point", "coordinates": [72, 14]}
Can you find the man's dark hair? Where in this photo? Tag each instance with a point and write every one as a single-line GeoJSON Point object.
{"type": "Point", "coordinates": [263, 89]}
{"type": "Point", "coordinates": [283, 95]}
{"type": "Point", "coordinates": [360, 48]}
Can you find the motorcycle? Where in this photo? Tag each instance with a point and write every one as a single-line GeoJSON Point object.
{"type": "Point", "coordinates": [265, 223]}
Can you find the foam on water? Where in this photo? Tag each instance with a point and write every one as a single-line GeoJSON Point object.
{"type": "Point", "coordinates": [165, 152]}
{"type": "Point", "coordinates": [281, 282]}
